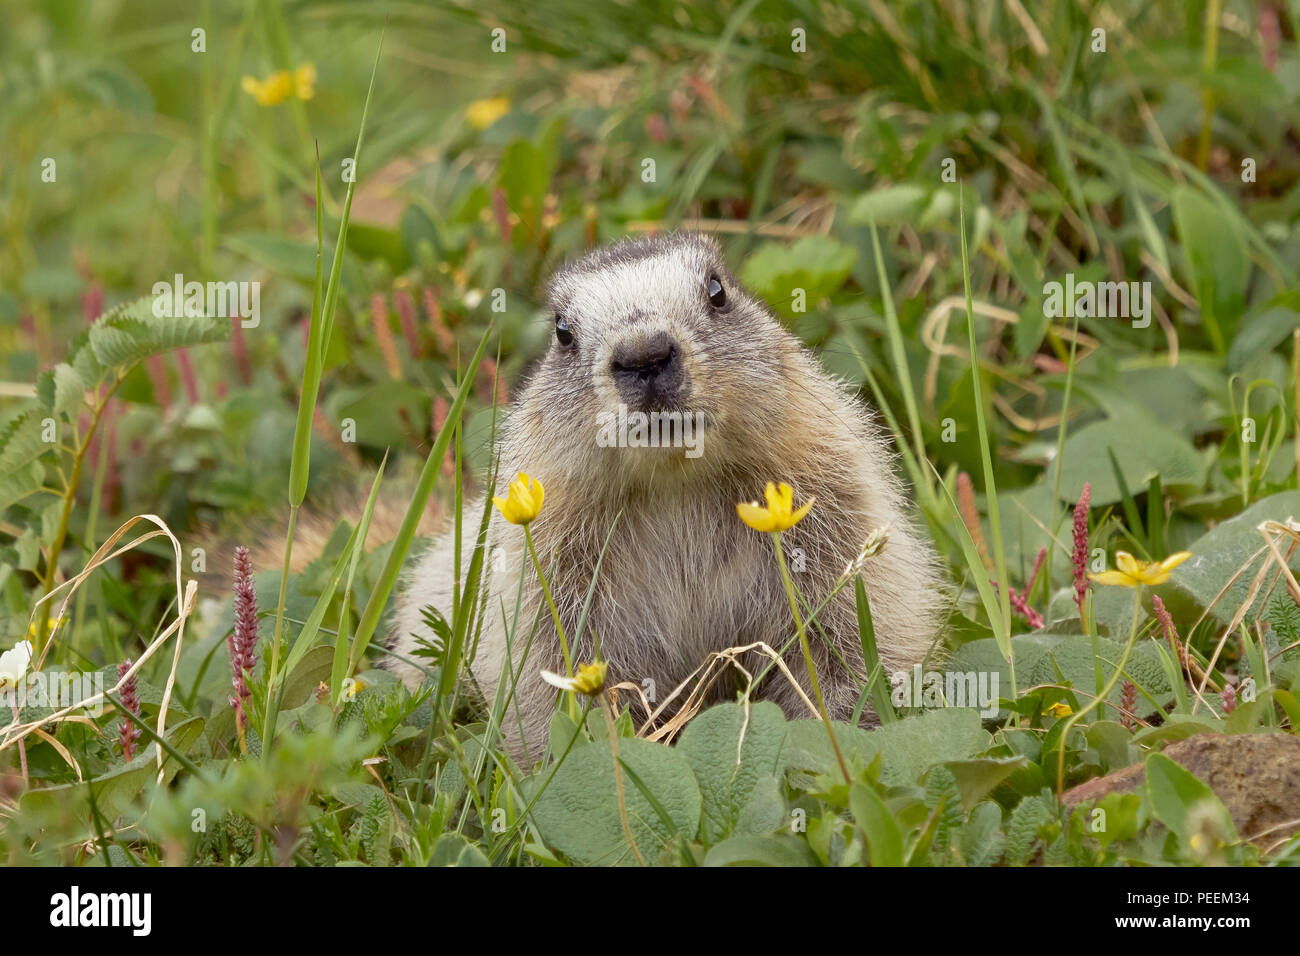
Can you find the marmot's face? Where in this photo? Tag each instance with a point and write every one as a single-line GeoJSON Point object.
{"type": "Point", "coordinates": [656, 335]}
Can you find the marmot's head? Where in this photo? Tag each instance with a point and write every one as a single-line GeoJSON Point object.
{"type": "Point", "coordinates": [660, 366]}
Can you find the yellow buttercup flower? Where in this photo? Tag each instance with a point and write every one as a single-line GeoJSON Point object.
{"type": "Point", "coordinates": [35, 624]}
{"type": "Point", "coordinates": [483, 113]}
{"type": "Point", "coordinates": [281, 85]}
{"type": "Point", "coordinates": [304, 81]}
{"type": "Point", "coordinates": [589, 680]}
{"type": "Point", "coordinates": [778, 515]}
{"type": "Point", "coordinates": [1133, 573]}
{"type": "Point", "coordinates": [1059, 709]}
{"type": "Point", "coordinates": [523, 502]}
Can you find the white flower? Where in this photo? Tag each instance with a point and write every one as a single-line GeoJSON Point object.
{"type": "Point", "coordinates": [13, 665]}
{"type": "Point", "coordinates": [589, 680]}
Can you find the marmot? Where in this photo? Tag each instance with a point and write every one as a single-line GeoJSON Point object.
{"type": "Point", "coordinates": [660, 325]}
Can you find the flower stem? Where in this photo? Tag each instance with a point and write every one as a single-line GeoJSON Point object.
{"type": "Point", "coordinates": [555, 617]}
{"type": "Point", "coordinates": [550, 601]}
{"type": "Point", "coordinates": [65, 513]}
{"type": "Point", "coordinates": [807, 653]}
{"type": "Point", "coordinates": [1102, 694]}
{"type": "Point", "coordinates": [618, 779]}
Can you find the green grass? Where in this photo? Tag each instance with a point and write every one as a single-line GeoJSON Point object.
{"type": "Point", "coordinates": [823, 171]}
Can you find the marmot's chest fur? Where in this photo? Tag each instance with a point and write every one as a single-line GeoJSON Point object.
{"type": "Point", "coordinates": [660, 326]}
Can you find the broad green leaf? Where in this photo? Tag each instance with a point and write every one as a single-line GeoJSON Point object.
{"type": "Point", "coordinates": [308, 674]}
{"type": "Point", "coordinates": [977, 777]}
{"type": "Point", "coordinates": [452, 849]}
{"type": "Point", "coordinates": [1175, 792]}
{"type": "Point", "coordinates": [1043, 658]}
{"type": "Point", "coordinates": [115, 790]}
{"type": "Point", "coordinates": [1222, 552]}
{"type": "Point", "coordinates": [890, 205]}
{"type": "Point", "coordinates": [884, 839]}
{"type": "Point", "coordinates": [1263, 329]}
{"type": "Point", "coordinates": [1121, 818]}
{"type": "Point", "coordinates": [737, 766]}
{"type": "Point", "coordinates": [908, 747]}
{"type": "Point", "coordinates": [578, 813]}
{"type": "Point", "coordinates": [1143, 448]}
{"type": "Point", "coordinates": [771, 850]}
{"type": "Point", "coordinates": [1216, 260]}
{"type": "Point", "coordinates": [818, 265]}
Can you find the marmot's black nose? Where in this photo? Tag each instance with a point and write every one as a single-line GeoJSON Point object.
{"type": "Point", "coordinates": [648, 371]}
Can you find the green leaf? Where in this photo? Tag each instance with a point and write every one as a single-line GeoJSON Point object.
{"type": "Point", "coordinates": [23, 481]}
{"type": "Point", "coordinates": [772, 850]}
{"type": "Point", "coordinates": [132, 332]}
{"type": "Point", "coordinates": [738, 776]}
{"type": "Point", "coordinates": [1043, 658]}
{"type": "Point", "coordinates": [976, 778]}
{"type": "Point", "coordinates": [818, 265]}
{"type": "Point", "coordinates": [890, 205]}
{"type": "Point", "coordinates": [1264, 329]}
{"type": "Point", "coordinates": [578, 813]}
{"type": "Point", "coordinates": [1216, 260]}
{"type": "Point", "coordinates": [884, 839]}
{"type": "Point", "coordinates": [981, 838]}
{"type": "Point", "coordinates": [1022, 830]}
{"type": "Point", "coordinates": [1174, 792]}
{"type": "Point", "coordinates": [116, 790]}
{"type": "Point", "coordinates": [452, 849]}
{"type": "Point", "coordinates": [879, 688]}
{"type": "Point", "coordinates": [908, 747]}
{"type": "Point", "coordinates": [1142, 447]}
{"type": "Point", "coordinates": [309, 673]}
{"type": "Point", "coordinates": [69, 389]}
{"type": "Point", "coordinates": [1218, 555]}
{"type": "Point", "coordinates": [1121, 816]}
{"type": "Point", "coordinates": [20, 440]}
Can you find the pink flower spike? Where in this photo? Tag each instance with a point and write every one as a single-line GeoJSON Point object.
{"type": "Point", "coordinates": [1080, 554]}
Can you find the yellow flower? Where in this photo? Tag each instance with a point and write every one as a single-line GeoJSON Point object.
{"type": "Point", "coordinates": [778, 515]}
{"type": "Point", "coordinates": [1134, 573]}
{"type": "Point", "coordinates": [35, 624]}
{"type": "Point", "coordinates": [1059, 709]}
{"type": "Point", "coordinates": [483, 113]}
{"type": "Point", "coordinates": [523, 502]}
{"type": "Point", "coordinates": [281, 85]}
{"type": "Point", "coordinates": [350, 687]}
{"type": "Point", "coordinates": [304, 81]}
{"type": "Point", "coordinates": [589, 680]}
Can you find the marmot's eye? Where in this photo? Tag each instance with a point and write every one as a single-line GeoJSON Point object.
{"type": "Point", "coordinates": [717, 294]}
{"type": "Point", "coordinates": [562, 333]}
